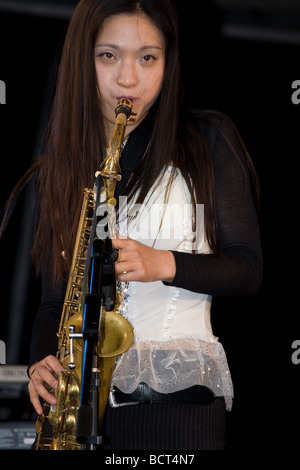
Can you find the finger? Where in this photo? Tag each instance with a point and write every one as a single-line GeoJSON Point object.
{"type": "Point", "coordinates": [46, 372]}
{"type": "Point", "coordinates": [45, 376]}
{"type": "Point", "coordinates": [36, 390]}
{"type": "Point", "coordinates": [126, 276]}
{"type": "Point", "coordinates": [122, 267]}
{"type": "Point", "coordinates": [53, 364]}
{"type": "Point", "coordinates": [120, 243]}
{"type": "Point", "coordinates": [35, 399]}
{"type": "Point", "coordinates": [43, 381]}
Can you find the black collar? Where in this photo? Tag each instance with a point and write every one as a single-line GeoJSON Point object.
{"type": "Point", "coordinates": [134, 150]}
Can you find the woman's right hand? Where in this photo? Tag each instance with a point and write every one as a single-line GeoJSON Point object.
{"type": "Point", "coordinates": [43, 377]}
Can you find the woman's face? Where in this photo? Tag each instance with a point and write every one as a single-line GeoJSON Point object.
{"type": "Point", "coordinates": [130, 63]}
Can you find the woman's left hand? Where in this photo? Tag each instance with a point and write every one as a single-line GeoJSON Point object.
{"type": "Point", "coordinates": [139, 262]}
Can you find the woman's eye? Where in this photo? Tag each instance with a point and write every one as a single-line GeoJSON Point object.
{"type": "Point", "coordinates": [106, 56]}
{"type": "Point", "coordinates": [149, 58]}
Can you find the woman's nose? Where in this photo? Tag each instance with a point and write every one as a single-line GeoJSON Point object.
{"type": "Point", "coordinates": [128, 75]}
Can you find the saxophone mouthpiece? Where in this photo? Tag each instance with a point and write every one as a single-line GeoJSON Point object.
{"type": "Point", "coordinates": [124, 106]}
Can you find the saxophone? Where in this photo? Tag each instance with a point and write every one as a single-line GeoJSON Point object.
{"type": "Point", "coordinates": [56, 427]}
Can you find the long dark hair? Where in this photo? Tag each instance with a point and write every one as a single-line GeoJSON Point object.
{"type": "Point", "coordinates": [75, 140]}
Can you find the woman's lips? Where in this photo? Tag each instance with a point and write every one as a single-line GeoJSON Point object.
{"type": "Point", "coordinates": [131, 98]}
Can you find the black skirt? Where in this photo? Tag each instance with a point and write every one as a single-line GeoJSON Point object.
{"type": "Point", "coordinates": [165, 426]}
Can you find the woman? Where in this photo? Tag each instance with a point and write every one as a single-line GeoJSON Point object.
{"type": "Point", "coordinates": [173, 159]}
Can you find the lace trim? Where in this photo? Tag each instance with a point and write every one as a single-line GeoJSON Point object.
{"type": "Point", "coordinates": [175, 365]}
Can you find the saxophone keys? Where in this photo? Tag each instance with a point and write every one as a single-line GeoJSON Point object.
{"type": "Point", "coordinates": [72, 336]}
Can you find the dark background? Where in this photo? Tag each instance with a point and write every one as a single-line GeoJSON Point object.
{"type": "Point", "coordinates": [240, 58]}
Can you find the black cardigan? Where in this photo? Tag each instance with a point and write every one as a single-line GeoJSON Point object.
{"type": "Point", "coordinates": [236, 271]}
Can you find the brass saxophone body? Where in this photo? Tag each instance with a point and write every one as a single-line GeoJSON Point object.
{"type": "Point", "coordinates": [56, 427]}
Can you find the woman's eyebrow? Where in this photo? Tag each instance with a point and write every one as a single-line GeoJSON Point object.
{"type": "Point", "coordinates": [115, 46]}
{"type": "Point", "coordinates": [143, 48]}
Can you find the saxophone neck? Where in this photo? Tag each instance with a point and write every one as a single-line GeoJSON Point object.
{"type": "Point", "coordinates": [110, 169]}
{"type": "Point", "coordinates": [116, 138]}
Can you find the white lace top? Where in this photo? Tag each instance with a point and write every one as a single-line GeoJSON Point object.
{"type": "Point", "coordinates": [174, 346]}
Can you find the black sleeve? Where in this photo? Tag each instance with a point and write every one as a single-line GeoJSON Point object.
{"type": "Point", "coordinates": [237, 270]}
{"type": "Point", "coordinates": [44, 335]}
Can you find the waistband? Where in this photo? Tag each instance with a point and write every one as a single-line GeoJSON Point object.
{"type": "Point", "coordinates": [197, 394]}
